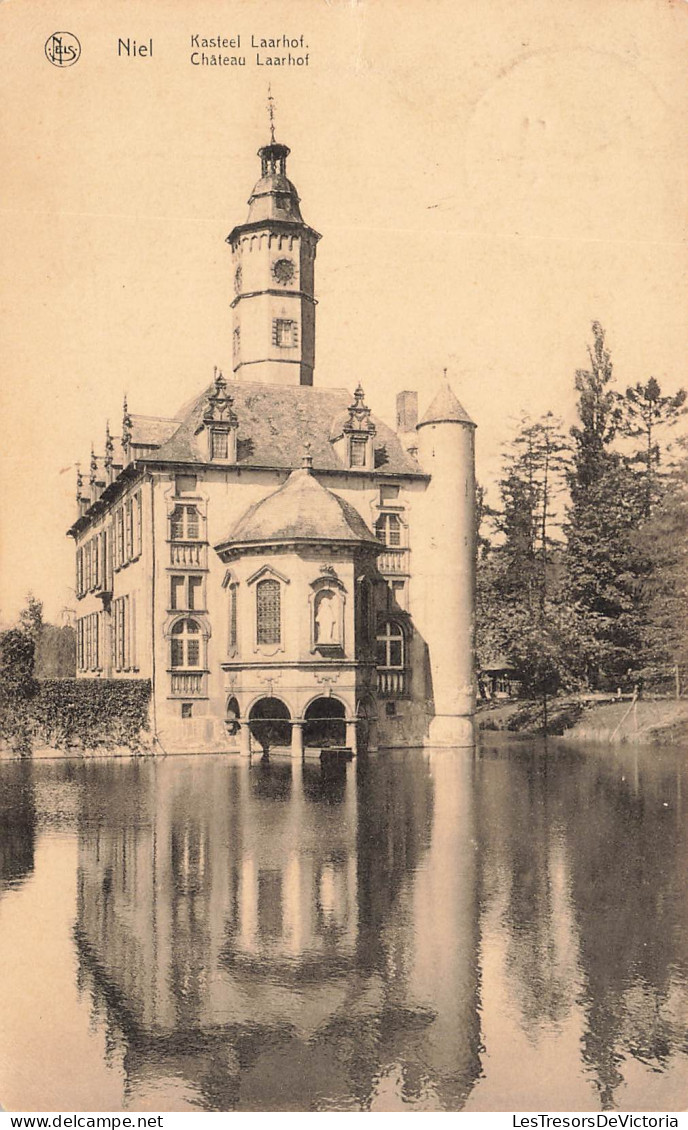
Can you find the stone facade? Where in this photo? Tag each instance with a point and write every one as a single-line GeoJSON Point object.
{"type": "Point", "coordinates": [286, 568]}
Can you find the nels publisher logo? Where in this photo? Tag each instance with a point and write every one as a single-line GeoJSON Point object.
{"type": "Point", "coordinates": [62, 49]}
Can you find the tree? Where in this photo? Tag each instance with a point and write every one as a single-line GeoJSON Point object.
{"type": "Point", "coordinates": [17, 650]}
{"type": "Point", "coordinates": [662, 539]}
{"type": "Point", "coordinates": [535, 465]}
{"type": "Point", "coordinates": [645, 412]}
{"type": "Point", "coordinates": [31, 618]}
{"type": "Point", "coordinates": [519, 607]}
{"type": "Point", "coordinates": [604, 566]}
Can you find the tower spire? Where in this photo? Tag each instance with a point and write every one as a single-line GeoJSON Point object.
{"type": "Point", "coordinates": [271, 114]}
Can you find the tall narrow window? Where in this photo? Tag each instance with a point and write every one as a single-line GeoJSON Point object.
{"type": "Point", "coordinates": [268, 612]}
{"type": "Point", "coordinates": [195, 593]}
{"type": "Point", "coordinates": [128, 530]}
{"type": "Point", "coordinates": [232, 631]}
{"type": "Point", "coordinates": [104, 570]}
{"type": "Point", "coordinates": [177, 592]}
{"type": "Point", "coordinates": [121, 633]}
{"type": "Point", "coordinates": [95, 549]}
{"type": "Point", "coordinates": [119, 537]}
{"type": "Point", "coordinates": [138, 532]}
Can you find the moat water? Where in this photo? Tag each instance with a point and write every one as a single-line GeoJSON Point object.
{"type": "Point", "coordinates": [414, 931]}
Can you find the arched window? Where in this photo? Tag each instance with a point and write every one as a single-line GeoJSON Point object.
{"type": "Point", "coordinates": [388, 529]}
{"type": "Point", "coordinates": [268, 612]}
{"type": "Point", "coordinates": [185, 648]}
{"type": "Point", "coordinates": [390, 647]}
{"type": "Point", "coordinates": [185, 523]}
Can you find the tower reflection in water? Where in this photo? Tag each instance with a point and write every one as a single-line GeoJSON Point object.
{"type": "Point", "coordinates": [280, 937]}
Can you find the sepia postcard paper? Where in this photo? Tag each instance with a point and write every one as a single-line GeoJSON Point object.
{"type": "Point", "coordinates": [483, 181]}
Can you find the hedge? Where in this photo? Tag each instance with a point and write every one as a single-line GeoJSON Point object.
{"type": "Point", "coordinates": [78, 714]}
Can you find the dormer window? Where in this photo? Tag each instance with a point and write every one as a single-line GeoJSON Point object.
{"type": "Point", "coordinates": [359, 431]}
{"type": "Point", "coordinates": [358, 451]}
{"type": "Point", "coordinates": [220, 423]}
{"type": "Point", "coordinates": [219, 444]}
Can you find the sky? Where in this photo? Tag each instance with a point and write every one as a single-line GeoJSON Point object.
{"type": "Point", "coordinates": [489, 177]}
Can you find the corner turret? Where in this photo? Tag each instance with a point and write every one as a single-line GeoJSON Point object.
{"type": "Point", "coordinates": [445, 560]}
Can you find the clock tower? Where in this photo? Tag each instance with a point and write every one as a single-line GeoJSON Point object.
{"type": "Point", "coordinates": [273, 258]}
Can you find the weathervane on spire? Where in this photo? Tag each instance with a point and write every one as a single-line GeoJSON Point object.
{"type": "Point", "coordinates": [271, 113]}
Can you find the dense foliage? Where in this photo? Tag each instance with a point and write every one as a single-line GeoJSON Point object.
{"type": "Point", "coordinates": [88, 713]}
{"type": "Point", "coordinates": [582, 566]}
{"type": "Point", "coordinates": [63, 713]}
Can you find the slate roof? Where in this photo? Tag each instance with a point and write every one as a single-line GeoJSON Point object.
{"type": "Point", "coordinates": [446, 407]}
{"type": "Point", "coordinates": [151, 430]}
{"type": "Point", "coordinates": [274, 423]}
{"type": "Point", "coordinates": [302, 509]}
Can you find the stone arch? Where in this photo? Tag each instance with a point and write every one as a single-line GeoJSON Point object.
{"type": "Point", "coordinates": [325, 721]}
{"type": "Point", "coordinates": [269, 720]}
{"type": "Point", "coordinates": [232, 715]}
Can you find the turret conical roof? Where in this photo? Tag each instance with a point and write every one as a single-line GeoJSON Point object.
{"type": "Point", "coordinates": [444, 408]}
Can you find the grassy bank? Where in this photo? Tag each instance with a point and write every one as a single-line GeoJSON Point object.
{"type": "Point", "coordinates": [579, 718]}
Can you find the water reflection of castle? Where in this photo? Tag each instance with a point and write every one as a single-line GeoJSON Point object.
{"type": "Point", "coordinates": [238, 921]}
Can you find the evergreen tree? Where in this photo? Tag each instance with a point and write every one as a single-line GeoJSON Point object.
{"type": "Point", "coordinates": [646, 413]}
{"type": "Point", "coordinates": [604, 566]}
{"type": "Point", "coordinates": [520, 609]}
{"type": "Point", "coordinates": [662, 539]}
{"type": "Point", "coordinates": [31, 618]}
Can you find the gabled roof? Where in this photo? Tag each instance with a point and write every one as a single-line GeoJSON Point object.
{"type": "Point", "coordinates": [274, 423]}
{"type": "Point", "coordinates": [302, 509]}
{"type": "Point", "coordinates": [445, 407]}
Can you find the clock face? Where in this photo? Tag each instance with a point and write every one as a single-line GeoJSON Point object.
{"type": "Point", "coordinates": [283, 270]}
{"type": "Point", "coordinates": [237, 279]}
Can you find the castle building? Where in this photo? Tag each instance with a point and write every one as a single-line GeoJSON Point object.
{"type": "Point", "coordinates": [285, 568]}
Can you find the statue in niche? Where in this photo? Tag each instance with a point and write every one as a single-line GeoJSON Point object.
{"type": "Point", "coordinates": [327, 619]}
